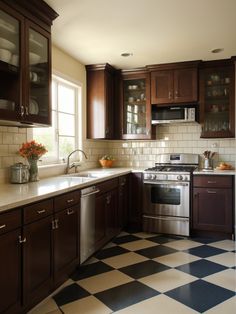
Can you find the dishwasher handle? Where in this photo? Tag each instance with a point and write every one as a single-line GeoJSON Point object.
{"type": "Point", "coordinates": [91, 193]}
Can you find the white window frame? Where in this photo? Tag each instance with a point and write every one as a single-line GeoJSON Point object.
{"type": "Point", "coordinates": [58, 78]}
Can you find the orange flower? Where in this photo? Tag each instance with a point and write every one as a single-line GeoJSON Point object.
{"type": "Point", "coordinates": [32, 150]}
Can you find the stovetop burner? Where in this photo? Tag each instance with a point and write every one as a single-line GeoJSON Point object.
{"type": "Point", "coordinates": [172, 168]}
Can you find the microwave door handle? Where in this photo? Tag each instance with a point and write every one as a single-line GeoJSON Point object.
{"type": "Point", "coordinates": [185, 113]}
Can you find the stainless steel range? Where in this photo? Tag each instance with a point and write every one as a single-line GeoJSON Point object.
{"type": "Point", "coordinates": [167, 194]}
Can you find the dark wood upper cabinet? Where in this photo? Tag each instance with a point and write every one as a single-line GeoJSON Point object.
{"type": "Point", "coordinates": [174, 83]}
{"type": "Point", "coordinates": [100, 101]}
{"type": "Point", "coordinates": [217, 99]}
{"type": "Point", "coordinates": [135, 105]}
{"type": "Point", "coordinates": [25, 63]}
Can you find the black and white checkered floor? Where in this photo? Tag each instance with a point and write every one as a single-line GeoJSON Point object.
{"type": "Point", "coordinates": [149, 274]}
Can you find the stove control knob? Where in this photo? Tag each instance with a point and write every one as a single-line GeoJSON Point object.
{"type": "Point", "coordinates": [153, 177]}
{"type": "Point", "coordinates": [179, 177]}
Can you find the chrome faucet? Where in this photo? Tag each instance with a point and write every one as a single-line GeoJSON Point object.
{"type": "Point", "coordinates": [74, 164]}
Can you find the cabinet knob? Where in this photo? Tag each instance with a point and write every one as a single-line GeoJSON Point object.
{"type": "Point", "coordinates": [211, 192]}
{"type": "Point", "coordinates": [26, 110]}
{"type": "Point", "coordinates": [176, 94]}
{"type": "Point", "coordinates": [107, 131]}
{"type": "Point", "coordinates": [170, 95]}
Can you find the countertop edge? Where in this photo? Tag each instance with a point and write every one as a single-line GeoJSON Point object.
{"type": "Point", "coordinates": [27, 192]}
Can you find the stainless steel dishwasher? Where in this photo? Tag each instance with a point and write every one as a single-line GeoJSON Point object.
{"type": "Point", "coordinates": [87, 222]}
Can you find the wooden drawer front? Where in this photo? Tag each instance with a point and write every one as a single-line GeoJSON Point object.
{"type": "Point", "coordinates": [108, 185]}
{"type": "Point", "coordinates": [37, 211]}
{"type": "Point", "coordinates": [10, 221]}
{"type": "Point", "coordinates": [67, 200]}
{"type": "Point", "coordinates": [213, 181]}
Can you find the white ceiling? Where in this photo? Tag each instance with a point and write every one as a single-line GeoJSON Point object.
{"type": "Point", "coordinates": [155, 31]}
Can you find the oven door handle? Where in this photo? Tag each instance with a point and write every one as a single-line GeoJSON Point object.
{"type": "Point", "coordinates": [167, 218]}
{"type": "Point", "coordinates": [167, 182]}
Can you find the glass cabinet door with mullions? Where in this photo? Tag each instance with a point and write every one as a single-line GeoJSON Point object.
{"type": "Point", "coordinates": [136, 108]}
{"type": "Point", "coordinates": [38, 75]}
{"type": "Point", "coordinates": [217, 102]}
{"type": "Point", "coordinates": [10, 28]}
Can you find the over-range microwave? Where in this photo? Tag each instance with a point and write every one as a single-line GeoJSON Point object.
{"type": "Point", "coordinates": [173, 114]}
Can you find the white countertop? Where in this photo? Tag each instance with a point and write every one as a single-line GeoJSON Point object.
{"type": "Point", "coordinates": [16, 195]}
{"type": "Point", "coordinates": [215, 172]}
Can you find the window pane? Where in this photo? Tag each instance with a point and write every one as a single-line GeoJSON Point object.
{"type": "Point", "coordinates": [66, 124]}
{"type": "Point", "coordinates": [54, 95]}
{"type": "Point", "coordinates": [66, 146]}
{"type": "Point", "coordinates": [66, 99]}
{"type": "Point", "coordinates": [47, 136]}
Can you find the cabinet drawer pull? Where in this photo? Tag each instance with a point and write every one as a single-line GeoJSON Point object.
{"type": "Point", "coordinates": [22, 240]}
{"type": "Point", "coordinates": [210, 182]}
{"type": "Point", "coordinates": [70, 200]}
{"type": "Point", "coordinates": [22, 110]}
{"type": "Point", "coordinates": [70, 212]}
{"type": "Point", "coordinates": [211, 192]}
{"type": "Point", "coordinates": [41, 211]}
{"type": "Point", "coordinates": [3, 226]}
{"type": "Point", "coordinates": [56, 224]}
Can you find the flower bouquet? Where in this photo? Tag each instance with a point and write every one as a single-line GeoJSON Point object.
{"type": "Point", "coordinates": [32, 151]}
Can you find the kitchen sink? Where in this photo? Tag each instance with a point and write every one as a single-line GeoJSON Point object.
{"type": "Point", "coordinates": [86, 175]}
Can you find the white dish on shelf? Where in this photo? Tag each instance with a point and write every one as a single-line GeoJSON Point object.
{"type": "Point", "coordinates": [35, 42]}
{"type": "Point", "coordinates": [33, 107]}
{"type": "Point", "coordinates": [5, 55]}
{"type": "Point", "coordinates": [7, 26]}
{"type": "Point", "coordinates": [7, 104]}
{"type": "Point", "coordinates": [7, 44]}
{"type": "Point", "coordinates": [34, 58]}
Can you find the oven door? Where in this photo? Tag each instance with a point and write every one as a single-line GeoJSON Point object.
{"type": "Point", "coordinates": [167, 198]}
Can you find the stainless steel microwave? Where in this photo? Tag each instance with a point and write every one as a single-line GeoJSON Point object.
{"type": "Point", "coordinates": [173, 114]}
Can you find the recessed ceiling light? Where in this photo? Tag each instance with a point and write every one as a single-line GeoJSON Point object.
{"type": "Point", "coordinates": [126, 54]}
{"type": "Point", "coordinates": [217, 50]}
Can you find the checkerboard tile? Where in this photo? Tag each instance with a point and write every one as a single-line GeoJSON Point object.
{"type": "Point", "coordinates": [140, 273]}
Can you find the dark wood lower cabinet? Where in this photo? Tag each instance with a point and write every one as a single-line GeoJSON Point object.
{"type": "Point", "coordinates": [112, 226]}
{"type": "Point", "coordinates": [37, 260]}
{"type": "Point", "coordinates": [10, 272]}
{"type": "Point", "coordinates": [66, 247]}
{"type": "Point", "coordinates": [212, 210]}
{"type": "Point", "coordinates": [136, 201]}
{"type": "Point", "coordinates": [100, 221]}
{"type": "Point", "coordinates": [213, 205]}
{"type": "Point", "coordinates": [123, 201]}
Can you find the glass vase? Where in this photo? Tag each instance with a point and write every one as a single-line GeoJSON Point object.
{"type": "Point", "coordinates": [33, 170]}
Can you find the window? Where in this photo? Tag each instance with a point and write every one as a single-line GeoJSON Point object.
{"type": "Point", "coordinates": [63, 136]}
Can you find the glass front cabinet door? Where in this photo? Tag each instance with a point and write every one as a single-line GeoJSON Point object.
{"type": "Point", "coordinates": [38, 75]}
{"type": "Point", "coordinates": [217, 99]}
{"type": "Point", "coordinates": [10, 34]}
{"type": "Point", "coordinates": [136, 111]}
